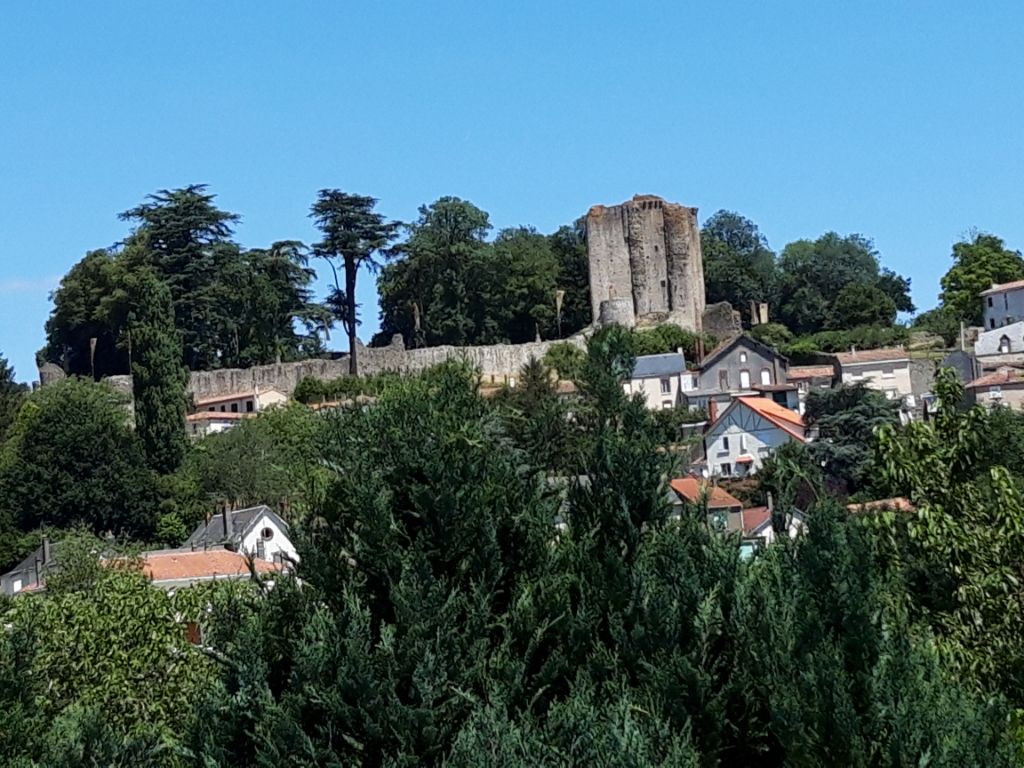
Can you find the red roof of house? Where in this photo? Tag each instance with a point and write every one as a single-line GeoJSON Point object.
{"type": "Point", "coordinates": [200, 565]}
{"type": "Point", "coordinates": [779, 415]}
{"type": "Point", "coordinates": [872, 356]}
{"type": "Point", "coordinates": [755, 517]}
{"type": "Point", "coordinates": [897, 504]}
{"type": "Point", "coordinates": [800, 372]}
{"type": "Point", "coordinates": [692, 489]}
{"type": "Point", "coordinates": [998, 377]}
{"type": "Point", "coordinates": [1000, 287]}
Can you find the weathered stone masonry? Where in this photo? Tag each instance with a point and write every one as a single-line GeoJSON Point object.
{"type": "Point", "coordinates": [647, 251]}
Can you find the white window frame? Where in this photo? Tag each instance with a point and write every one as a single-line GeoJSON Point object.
{"type": "Point", "coordinates": [766, 377]}
{"type": "Point", "coordinates": [666, 386]}
{"type": "Point", "coordinates": [744, 379]}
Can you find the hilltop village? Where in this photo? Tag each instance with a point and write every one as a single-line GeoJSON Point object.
{"type": "Point", "coordinates": [638, 487]}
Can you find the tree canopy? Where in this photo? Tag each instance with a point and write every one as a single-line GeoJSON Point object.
{"type": "Point", "coordinates": [978, 263]}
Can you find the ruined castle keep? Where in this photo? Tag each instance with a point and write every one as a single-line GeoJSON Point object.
{"type": "Point", "coordinates": [645, 263]}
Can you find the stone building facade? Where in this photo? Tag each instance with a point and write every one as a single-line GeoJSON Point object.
{"type": "Point", "coordinates": [646, 251]}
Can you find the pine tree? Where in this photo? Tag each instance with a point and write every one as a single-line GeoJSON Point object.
{"type": "Point", "coordinates": [158, 377]}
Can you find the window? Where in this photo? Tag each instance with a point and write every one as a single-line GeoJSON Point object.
{"type": "Point", "coordinates": [723, 380]}
{"type": "Point", "coordinates": [222, 409]}
{"type": "Point", "coordinates": [743, 442]}
{"type": "Point", "coordinates": [890, 394]}
{"type": "Point", "coordinates": [666, 386]}
{"type": "Point", "coordinates": [888, 374]}
{"type": "Point", "coordinates": [766, 376]}
{"type": "Point", "coordinates": [666, 405]}
{"type": "Point", "coordinates": [250, 406]}
{"type": "Point", "coordinates": [727, 469]}
{"type": "Point", "coordinates": [267, 534]}
{"type": "Point", "coordinates": [1004, 345]}
{"type": "Point", "coordinates": [211, 408]}
{"type": "Point", "coordinates": [743, 357]}
{"type": "Point", "coordinates": [234, 407]}
{"type": "Point", "coordinates": [995, 393]}
{"type": "Point", "coordinates": [744, 379]}
{"type": "Point", "coordinates": [725, 443]}
{"type": "Point", "coordinates": [1006, 301]}
{"type": "Point", "coordinates": [991, 322]}
{"type": "Point", "coordinates": [16, 585]}
{"type": "Point", "coordinates": [990, 301]}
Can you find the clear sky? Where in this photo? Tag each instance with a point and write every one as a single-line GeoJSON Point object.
{"type": "Point", "coordinates": [900, 121]}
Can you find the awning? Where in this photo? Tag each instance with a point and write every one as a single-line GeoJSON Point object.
{"type": "Point", "coordinates": [745, 459]}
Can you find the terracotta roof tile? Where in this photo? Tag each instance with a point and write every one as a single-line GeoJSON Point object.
{"type": "Point", "coordinates": [1000, 287]}
{"type": "Point", "coordinates": [691, 489]}
{"type": "Point", "coordinates": [754, 518]}
{"type": "Point", "coordinates": [800, 372]}
{"type": "Point", "coordinates": [217, 416]}
{"type": "Point", "coordinates": [200, 565]}
{"type": "Point", "coordinates": [872, 356]}
{"type": "Point", "coordinates": [997, 378]}
{"type": "Point", "coordinates": [779, 415]}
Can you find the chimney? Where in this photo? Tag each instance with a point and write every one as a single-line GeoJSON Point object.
{"type": "Point", "coordinates": [226, 519]}
{"type": "Point", "coordinates": [712, 411]}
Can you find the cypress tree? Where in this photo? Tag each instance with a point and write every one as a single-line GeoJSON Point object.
{"type": "Point", "coordinates": [158, 378]}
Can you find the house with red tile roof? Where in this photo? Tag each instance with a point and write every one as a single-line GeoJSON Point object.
{"type": "Point", "coordinates": [1002, 387]}
{"type": "Point", "coordinates": [747, 432]}
{"type": "Point", "coordinates": [887, 370]}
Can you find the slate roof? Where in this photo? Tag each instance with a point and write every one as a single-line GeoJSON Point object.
{"type": "Point", "coordinates": [654, 366]}
{"type": "Point", "coordinates": [988, 341]}
{"type": "Point", "coordinates": [211, 534]}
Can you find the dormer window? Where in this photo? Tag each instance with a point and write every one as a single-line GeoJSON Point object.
{"type": "Point", "coordinates": [1004, 345]}
{"type": "Point", "coordinates": [743, 357]}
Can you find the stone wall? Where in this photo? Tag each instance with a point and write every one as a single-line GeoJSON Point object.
{"type": "Point", "coordinates": [648, 251]}
{"type": "Point", "coordinates": [496, 363]}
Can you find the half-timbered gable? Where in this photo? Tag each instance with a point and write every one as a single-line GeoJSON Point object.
{"type": "Point", "coordinates": [748, 431]}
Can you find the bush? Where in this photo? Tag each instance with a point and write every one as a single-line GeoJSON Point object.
{"type": "Point", "coordinates": [668, 338]}
{"type": "Point", "coordinates": [565, 358]}
{"type": "Point", "coordinates": [310, 390]}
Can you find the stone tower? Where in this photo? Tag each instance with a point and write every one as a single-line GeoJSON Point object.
{"type": "Point", "coordinates": [647, 251]}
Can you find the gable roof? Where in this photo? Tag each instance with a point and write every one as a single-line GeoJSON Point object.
{"type": "Point", "coordinates": [999, 377]}
{"type": "Point", "coordinates": [1000, 287]}
{"type": "Point", "coordinates": [178, 565]}
{"type": "Point", "coordinates": [651, 366]}
{"type": "Point", "coordinates": [692, 490]}
{"type": "Point", "coordinates": [859, 356]}
{"type": "Point", "coordinates": [779, 415]}
{"type": "Point", "coordinates": [245, 395]}
{"type": "Point", "coordinates": [211, 533]}
{"type": "Point", "coordinates": [748, 341]}
{"type": "Point", "coordinates": [755, 518]}
{"type": "Point", "coordinates": [801, 372]}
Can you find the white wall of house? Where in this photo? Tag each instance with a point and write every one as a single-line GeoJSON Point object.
{"type": "Point", "coordinates": [204, 427]}
{"type": "Point", "coordinates": [275, 540]}
{"type": "Point", "coordinates": [726, 441]}
{"type": "Point", "coordinates": [661, 392]}
{"type": "Point", "coordinates": [891, 377]}
{"type": "Point", "coordinates": [1003, 307]}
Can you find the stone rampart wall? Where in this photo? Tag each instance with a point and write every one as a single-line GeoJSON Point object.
{"type": "Point", "coordinates": [496, 363]}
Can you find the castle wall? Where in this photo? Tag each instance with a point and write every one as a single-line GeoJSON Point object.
{"type": "Point", "coordinates": [609, 260]}
{"type": "Point", "coordinates": [496, 363]}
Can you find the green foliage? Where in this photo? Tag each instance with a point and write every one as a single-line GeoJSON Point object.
{"type": "Point", "coordinates": [807, 348]}
{"type": "Point", "coordinates": [566, 359]}
{"type": "Point", "coordinates": [310, 390]}
{"type": "Point", "coordinates": [667, 338]}
{"type": "Point", "coordinates": [846, 419]}
{"type": "Point", "coordinates": [158, 377]}
{"type": "Point", "coordinates": [353, 234]}
{"type": "Point", "coordinates": [978, 263]}
{"type": "Point", "coordinates": [960, 554]}
{"type": "Point", "coordinates": [449, 285]}
{"type": "Point", "coordinates": [773, 334]}
{"type": "Point", "coordinates": [271, 459]}
{"type": "Point", "coordinates": [72, 458]}
{"type": "Point", "coordinates": [815, 274]}
{"type": "Point", "coordinates": [669, 423]}
{"type": "Point", "coordinates": [11, 396]}
{"type": "Point", "coordinates": [739, 267]}
{"type": "Point", "coordinates": [232, 307]}
{"type": "Point", "coordinates": [941, 321]}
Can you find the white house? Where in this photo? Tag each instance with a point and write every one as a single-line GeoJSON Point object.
{"type": "Point", "coordinates": [221, 413]}
{"type": "Point", "coordinates": [242, 402]}
{"type": "Point", "coordinates": [661, 379]}
{"type": "Point", "coordinates": [1002, 346]}
{"type": "Point", "coordinates": [737, 442]}
{"type": "Point", "coordinates": [1003, 304]}
{"type": "Point", "coordinates": [256, 531]}
{"type": "Point", "coordinates": [887, 370]}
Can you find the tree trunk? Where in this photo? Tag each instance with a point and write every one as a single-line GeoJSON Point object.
{"type": "Point", "coordinates": [351, 266]}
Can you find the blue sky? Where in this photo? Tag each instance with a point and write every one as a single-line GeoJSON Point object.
{"type": "Point", "coordinates": [899, 121]}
